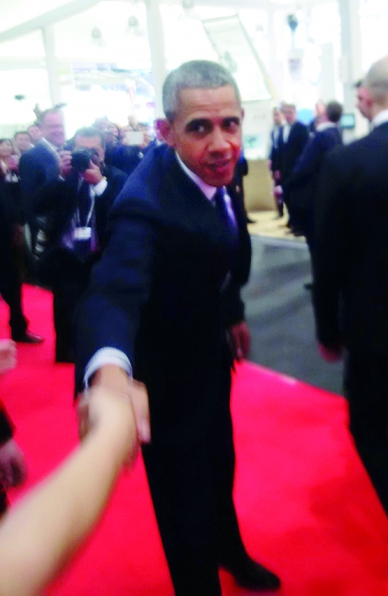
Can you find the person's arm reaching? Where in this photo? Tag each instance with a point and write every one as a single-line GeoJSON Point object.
{"type": "Point", "coordinates": [43, 531]}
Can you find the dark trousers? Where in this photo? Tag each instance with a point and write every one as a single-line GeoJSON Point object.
{"type": "Point", "coordinates": [366, 387]}
{"type": "Point", "coordinates": [11, 291]}
{"type": "Point", "coordinates": [191, 486]}
{"type": "Point", "coordinates": [68, 285]}
{"type": "Point", "coordinates": [66, 295]}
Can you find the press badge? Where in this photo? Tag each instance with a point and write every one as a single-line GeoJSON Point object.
{"type": "Point", "coordinates": [83, 233]}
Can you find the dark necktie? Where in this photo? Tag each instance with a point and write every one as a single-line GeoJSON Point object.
{"type": "Point", "coordinates": [219, 203]}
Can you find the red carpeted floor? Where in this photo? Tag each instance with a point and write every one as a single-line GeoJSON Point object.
{"type": "Point", "coordinates": [306, 506]}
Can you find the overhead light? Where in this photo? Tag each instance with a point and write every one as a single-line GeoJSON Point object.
{"type": "Point", "coordinates": [96, 33]}
{"type": "Point", "coordinates": [188, 10]}
{"type": "Point", "coordinates": [134, 27]}
{"type": "Point", "coordinates": [97, 38]}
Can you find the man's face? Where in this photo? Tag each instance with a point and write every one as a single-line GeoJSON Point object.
{"type": "Point", "coordinates": [290, 114]}
{"type": "Point", "coordinates": [91, 143]}
{"type": "Point", "coordinates": [277, 117]}
{"type": "Point", "coordinates": [207, 133]}
{"type": "Point", "coordinates": [364, 102]}
{"type": "Point", "coordinates": [53, 129]}
{"type": "Point", "coordinates": [6, 148]}
{"type": "Point", "coordinates": [35, 134]}
{"type": "Point", "coordinates": [111, 134]}
{"type": "Point", "coordinates": [23, 142]}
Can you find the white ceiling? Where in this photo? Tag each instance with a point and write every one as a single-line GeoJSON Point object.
{"type": "Point", "coordinates": [18, 16]}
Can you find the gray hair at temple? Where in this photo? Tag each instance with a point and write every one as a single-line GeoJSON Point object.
{"type": "Point", "coordinates": [196, 74]}
{"type": "Point", "coordinates": [376, 81]}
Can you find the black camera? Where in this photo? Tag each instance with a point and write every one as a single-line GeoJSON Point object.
{"type": "Point", "coordinates": [80, 159]}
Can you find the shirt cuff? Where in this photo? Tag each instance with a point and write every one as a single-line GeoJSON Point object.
{"type": "Point", "coordinates": [106, 356]}
{"type": "Point", "coordinates": [100, 187]}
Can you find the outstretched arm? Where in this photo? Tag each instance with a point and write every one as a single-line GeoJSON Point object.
{"type": "Point", "coordinates": [44, 530]}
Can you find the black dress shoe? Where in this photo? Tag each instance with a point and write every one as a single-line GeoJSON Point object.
{"type": "Point", "coordinates": [28, 338]}
{"type": "Point", "coordinates": [252, 576]}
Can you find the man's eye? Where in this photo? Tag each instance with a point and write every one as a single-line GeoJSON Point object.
{"type": "Point", "coordinates": [232, 125]}
{"type": "Point", "coordinates": [198, 127]}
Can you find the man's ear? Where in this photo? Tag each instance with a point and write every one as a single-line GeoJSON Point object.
{"type": "Point", "coordinates": [165, 129]}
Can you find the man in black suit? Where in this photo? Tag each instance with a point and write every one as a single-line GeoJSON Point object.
{"type": "Point", "coordinates": [351, 275]}
{"type": "Point", "coordinates": [164, 302]}
{"type": "Point", "coordinates": [75, 210]}
{"type": "Point", "coordinates": [10, 274]}
{"type": "Point", "coordinates": [301, 186]}
{"type": "Point", "coordinates": [276, 139]}
{"type": "Point", "coordinates": [39, 165]}
{"type": "Point", "coordinates": [295, 138]}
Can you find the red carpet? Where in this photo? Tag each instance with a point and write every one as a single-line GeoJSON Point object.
{"type": "Point", "coordinates": [306, 506]}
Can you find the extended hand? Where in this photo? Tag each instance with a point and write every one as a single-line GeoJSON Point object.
{"type": "Point", "coordinates": [8, 353]}
{"type": "Point", "coordinates": [103, 407]}
{"type": "Point", "coordinates": [239, 340]}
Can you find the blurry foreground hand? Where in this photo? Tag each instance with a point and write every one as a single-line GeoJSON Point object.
{"type": "Point", "coordinates": [8, 353]}
{"type": "Point", "coordinates": [101, 407]}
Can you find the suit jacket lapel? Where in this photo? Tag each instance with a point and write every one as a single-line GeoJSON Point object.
{"type": "Point", "coordinates": [195, 204]}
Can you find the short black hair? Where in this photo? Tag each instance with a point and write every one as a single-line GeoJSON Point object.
{"type": "Point", "coordinates": [334, 111]}
{"type": "Point", "coordinates": [21, 132]}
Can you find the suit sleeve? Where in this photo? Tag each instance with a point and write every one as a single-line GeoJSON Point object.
{"type": "Point", "coordinates": [306, 164]}
{"type": "Point", "coordinates": [233, 307]}
{"type": "Point", "coordinates": [329, 253]}
{"type": "Point", "coordinates": [110, 310]}
{"type": "Point", "coordinates": [31, 178]}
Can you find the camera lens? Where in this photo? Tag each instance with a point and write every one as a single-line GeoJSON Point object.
{"type": "Point", "coordinates": [80, 160]}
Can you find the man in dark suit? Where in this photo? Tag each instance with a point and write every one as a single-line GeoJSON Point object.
{"type": "Point", "coordinates": [75, 209]}
{"type": "Point", "coordinates": [295, 138]}
{"type": "Point", "coordinates": [10, 274]}
{"type": "Point", "coordinates": [38, 166]}
{"type": "Point", "coordinates": [351, 275]}
{"type": "Point", "coordinates": [164, 303]}
{"type": "Point", "coordinates": [276, 140]}
{"type": "Point", "coordinates": [301, 186]}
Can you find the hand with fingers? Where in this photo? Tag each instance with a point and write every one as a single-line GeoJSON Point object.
{"type": "Point", "coordinates": [125, 412]}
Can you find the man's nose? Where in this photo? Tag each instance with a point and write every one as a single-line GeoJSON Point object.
{"type": "Point", "coordinates": [218, 141]}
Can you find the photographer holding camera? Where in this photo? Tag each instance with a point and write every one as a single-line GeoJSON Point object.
{"type": "Point", "coordinates": [73, 212]}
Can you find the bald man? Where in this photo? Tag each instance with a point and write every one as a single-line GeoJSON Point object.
{"type": "Point", "coordinates": [351, 274]}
